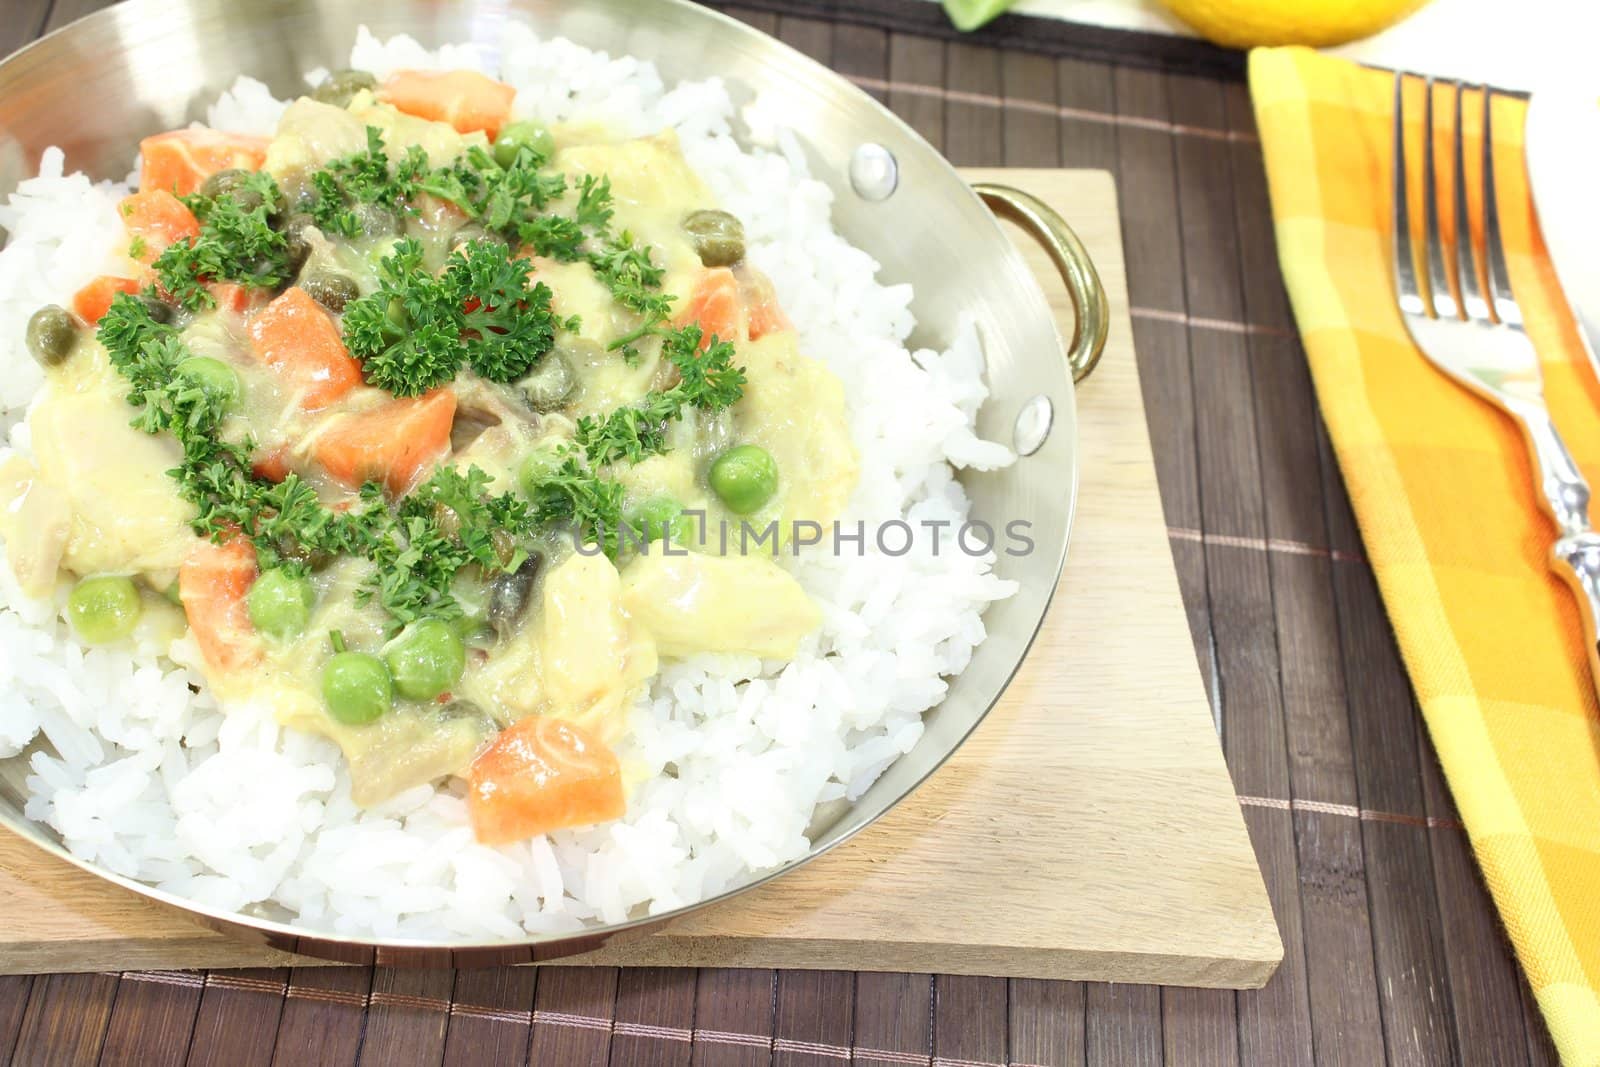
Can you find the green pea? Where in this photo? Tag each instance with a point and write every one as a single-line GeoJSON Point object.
{"type": "Point", "coordinates": [52, 332]}
{"type": "Point", "coordinates": [520, 135]}
{"type": "Point", "coordinates": [537, 468]}
{"type": "Point", "coordinates": [744, 478]}
{"type": "Point", "coordinates": [661, 516]}
{"type": "Point", "coordinates": [356, 687]}
{"type": "Point", "coordinates": [213, 376]}
{"type": "Point", "coordinates": [104, 609]}
{"type": "Point", "coordinates": [280, 603]}
{"type": "Point", "coordinates": [426, 659]}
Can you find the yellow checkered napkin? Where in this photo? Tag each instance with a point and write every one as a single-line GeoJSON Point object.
{"type": "Point", "coordinates": [1443, 490]}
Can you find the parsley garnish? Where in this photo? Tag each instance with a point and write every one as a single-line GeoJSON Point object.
{"type": "Point", "coordinates": [572, 495]}
{"type": "Point", "coordinates": [365, 178]}
{"type": "Point", "coordinates": [706, 380]}
{"type": "Point", "coordinates": [417, 546]}
{"type": "Point", "coordinates": [417, 330]}
{"type": "Point", "coordinates": [235, 244]}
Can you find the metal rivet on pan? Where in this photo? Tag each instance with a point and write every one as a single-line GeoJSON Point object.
{"type": "Point", "coordinates": [1033, 425]}
{"type": "Point", "coordinates": [874, 174]}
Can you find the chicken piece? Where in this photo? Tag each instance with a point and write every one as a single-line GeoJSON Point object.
{"type": "Point", "coordinates": [593, 656]}
{"type": "Point", "coordinates": [312, 133]}
{"type": "Point", "coordinates": [35, 522]}
{"type": "Point", "coordinates": [793, 406]}
{"type": "Point", "coordinates": [653, 188]}
{"type": "Point", "coordinates": [696, 603]}
{"type": "Point", "coordinates": [127, 514]}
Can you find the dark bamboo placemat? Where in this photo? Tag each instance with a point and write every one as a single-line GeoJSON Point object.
{"type": "Point", "coordinates": [1393, 952]}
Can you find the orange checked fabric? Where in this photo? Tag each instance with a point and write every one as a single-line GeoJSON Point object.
{"type": "Point", "coordinates": [1444, 493]}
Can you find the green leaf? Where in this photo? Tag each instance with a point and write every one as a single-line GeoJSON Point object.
{"type": "Point", "coordinates": [968, 15]}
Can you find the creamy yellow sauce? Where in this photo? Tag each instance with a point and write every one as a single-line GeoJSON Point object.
{"type": "Point", "coordinates": [96, 498]}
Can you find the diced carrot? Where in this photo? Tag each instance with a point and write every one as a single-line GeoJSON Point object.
{"type": "Point", "coordinates": [716, 306]}
{"type": "Point", "coordinates": [761, 305]}
{"type": "Point", "coordinates": [465, 99]}
{"type": "Point", "coordinates": [155, 219]}
{"type": "Point", "coordinates": [295, 337]}
{"type": "Point", "coordinates": [392, 443]}
{"type": "Point", "coordinates": [542, 774]}
{"type": "Point", "coordinates": [94, 300]}
{"type": "Point", "coordinates": [272, 465]}
{"type": "Point", "coordinates": [179, 161]}
{"type": "Point", "coordinates": [235, 297]}
{"type": "Point", "coordinates": [212, 585]}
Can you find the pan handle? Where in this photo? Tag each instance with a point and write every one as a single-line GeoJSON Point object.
{"type": "Point", "coordinates": [1071, 259]}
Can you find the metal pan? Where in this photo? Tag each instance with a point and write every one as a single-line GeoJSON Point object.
{"type": "Point", "coordinates": [96, 87]}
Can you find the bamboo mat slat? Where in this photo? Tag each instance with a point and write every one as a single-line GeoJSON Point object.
{"type": "Point", "coordinates": [1393, 953]}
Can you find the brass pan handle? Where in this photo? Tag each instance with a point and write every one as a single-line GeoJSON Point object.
{"type": "Point", "coordinates": [1071, 259]}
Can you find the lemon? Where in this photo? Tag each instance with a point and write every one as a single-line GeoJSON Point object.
{"type": "Point", "coordinates": [1247, 23]}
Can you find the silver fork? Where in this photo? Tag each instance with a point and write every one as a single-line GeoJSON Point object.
{"type": "Point", "coordinates": [1479, 342]}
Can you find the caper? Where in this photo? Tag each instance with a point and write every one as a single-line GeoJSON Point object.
{"type": "Point", "coordinates": [331, 289]}
{"type": "Point", "coordinates": [550, 383]}
{"type": "Point", "coordinates": [447, 519]}
{"type": "Point", "coordinates": [232, 183]}
{"type": "Point", "coordinates": [717, 236]}
{"type": "Point", "coordinates": [314, 559]}
{"type": "Point", "coordinates": [504, 544]}
{"type": "Point", "coordinates": [341, 86]}
{"type": "Point", "coordinates": [462, 709]}
{"type": "Point", "coordinates": [509, 595]}
{"type": "Point", "coordinates": [294, 233]}
{"type": "Point", "coordinates": [475, 231]}
{"type": "Point", "coordinates": [52, 331]}
{"type": "Point", "coordinates": [375, 220]}
{"type": "Point", "coordinates": [157, 308]}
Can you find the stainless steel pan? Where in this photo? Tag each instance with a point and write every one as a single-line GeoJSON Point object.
{"type": "Point", "coordinates": [96, 87]}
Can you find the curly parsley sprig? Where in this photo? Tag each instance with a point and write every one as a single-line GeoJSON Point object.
{"type": "Point", "coordinates": [236, 243]}
{"type": "Point", "coordinates": [707, 380]}
{"type": "Point", "coordinates": [418, 329]}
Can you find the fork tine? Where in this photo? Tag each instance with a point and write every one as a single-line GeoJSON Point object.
{"type": "Point", "coordinates": [1405, 264]}
{"type": "Point", "coordinates": [1439, 291]}
{"type": "Point", "coordinates": [1466, 265]}
{"type": "Point", "coordinates": [1494, 253]}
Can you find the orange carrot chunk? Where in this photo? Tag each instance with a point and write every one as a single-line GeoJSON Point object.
{"type": "Point", "coordinates": [94, 300]}
{"type": "Point", "coordinates": [235, 297]}
{"type": "Point", "coordinates": [295, 337]}
{"type": "Point", "coordinates": [155, 219]}
{"type": "Point", "coordinates": [465, 99]}
{"type": "Point", "coordinates": [181, 160]}
{"type": "Point", "coordinates": [212, 585]}
{"type": "Point", "coordinates": [394, 442]}
{"type": "Point", "coordinates": [716, 307]}
{"type": "Point", "coordinates": [542, 774]}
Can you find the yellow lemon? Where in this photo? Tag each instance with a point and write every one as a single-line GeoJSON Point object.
{"type": "Point", "coordinates": [1247, 23]}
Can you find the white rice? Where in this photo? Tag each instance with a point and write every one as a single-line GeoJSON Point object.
{"type": "Point", "coordinates": [151, 780]}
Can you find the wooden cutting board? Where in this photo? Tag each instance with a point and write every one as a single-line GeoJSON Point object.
{"type": "Point", "coordinates": [1087, 830]}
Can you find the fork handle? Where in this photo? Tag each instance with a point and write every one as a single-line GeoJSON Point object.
{"type": "Point", "coordinates": [1575, 556]}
